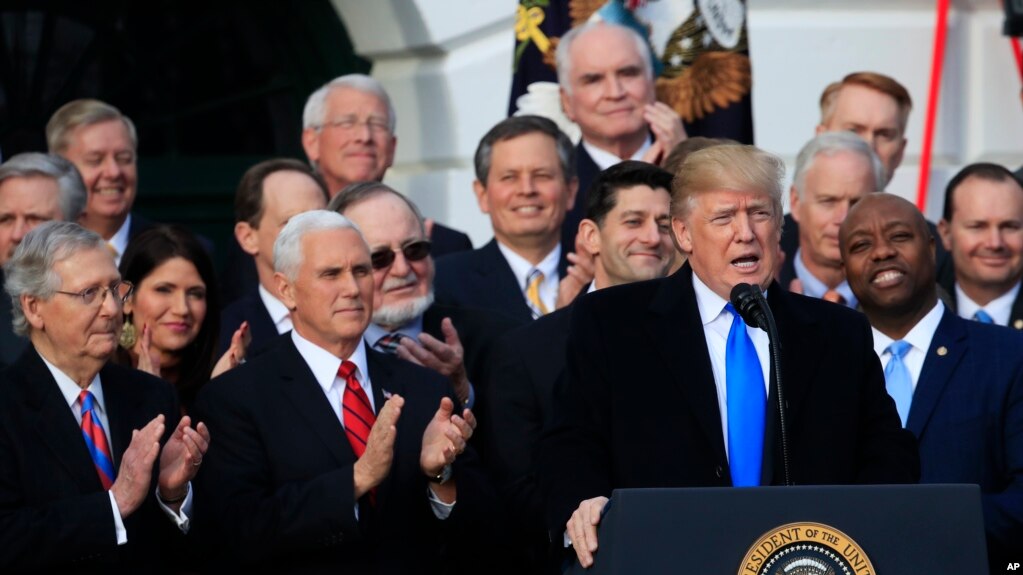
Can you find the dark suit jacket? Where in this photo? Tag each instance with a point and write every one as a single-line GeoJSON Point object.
{"type": "Point", "coordinates": [948, 283]}
{"type": "Point", "coordinates": [54, 513]}
{"type": "Point", "coordinates": [279, 474]}
{"type": "Point", "coordinates": [445, 240]}
{"type": "Point", "coordinates": [527, 363]}
{"type": "Point", "coordinates": [967, 414]}
{"type": "Point", "coordinates": [790, 245]}
{"type": "Point", "coordinates": [251, 309]}
{"type": "Point", "coordinates": [586, 170]}
{"type": "Point", "coordinates": [482, 279]}
{"type": "Point", "coordinates": [11, 344]}
{"type": "Point", "coordinates": [642, 411]}
{"type": "Point", "coordinates": [478, 332]}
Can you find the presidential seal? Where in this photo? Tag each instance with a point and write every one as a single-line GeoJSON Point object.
{"type": "Point", "coordinates": [805, 549]}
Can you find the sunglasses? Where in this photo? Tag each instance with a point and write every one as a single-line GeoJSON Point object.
{"type": "Point", "coordinates": [413, 252]}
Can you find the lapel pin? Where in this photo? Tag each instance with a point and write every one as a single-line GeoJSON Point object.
{"type": "Point", "coordinates": [1018, 324]}
{"type": "Point", "coordinates": [942, 351]}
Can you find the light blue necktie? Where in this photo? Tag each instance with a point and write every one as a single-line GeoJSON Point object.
{"type": "Point", "coordinates": [983, 317]}
{"type": "Point", "coordinates": [747, 404]}
{"type": "Point", "coordinates": [897, 378]}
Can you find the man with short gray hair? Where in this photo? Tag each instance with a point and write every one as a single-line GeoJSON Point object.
{"type": "Point", "coordinates": [607, 87]}
{"type": "Point", "coordinates": [335, 455]}
{"type": "Point", "coordinates": [80, 436]}
{"type": "Point", "coordinates": [103, 144]}
{"type": "Point", "coordinates": [833, 171]}
{"type": "Point", "coordinates": [34, 188]}
{"type": "Point", "coordinates": [348, 135]}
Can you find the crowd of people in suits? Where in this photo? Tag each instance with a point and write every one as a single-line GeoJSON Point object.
{"type": "Point", "coordinates": [364, 391]}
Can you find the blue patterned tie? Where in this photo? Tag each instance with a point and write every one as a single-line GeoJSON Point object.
{"type": "Point", "coordinates": [390, 342]}
{"type": "Point", "coordinates": [897, 378]}
{"type": "Point", "coordinates": [747, 404]}
{"type": "Point", "coordinates": [983, 317]}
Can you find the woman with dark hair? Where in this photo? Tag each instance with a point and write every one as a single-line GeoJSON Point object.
{"type": "Point", "coordinates": [173, 315]}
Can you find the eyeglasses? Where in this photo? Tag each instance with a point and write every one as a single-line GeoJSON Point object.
{"type": "Point", "coordinates": [121, 290]}
{"type": "Point", "coordinates": [413, 252]}
{"type": "Point", "coordinates": [349, 123]}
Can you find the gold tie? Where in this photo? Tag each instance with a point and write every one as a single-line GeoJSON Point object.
{"type": "Point", "coordinates": [533, 294]}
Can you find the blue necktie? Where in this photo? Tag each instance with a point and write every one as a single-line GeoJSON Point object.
{"type": "Point", "coordinates": [747, 404]}
{"type": "Point", "coordinates": [983, 317]}
{"type": "Point", "coordinates": [897, 379]}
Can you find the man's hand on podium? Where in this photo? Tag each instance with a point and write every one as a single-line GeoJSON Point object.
{"type": "Point", "coordinates": [582, 529]}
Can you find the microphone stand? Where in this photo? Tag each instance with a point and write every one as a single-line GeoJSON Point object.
{"type": "Point", "coordinates": [775, 345]}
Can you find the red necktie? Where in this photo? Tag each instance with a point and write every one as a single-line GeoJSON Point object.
{"type": "Point", "coordinates": [96, 440]}
{"type": "Point", "coordinates": [358, 415]}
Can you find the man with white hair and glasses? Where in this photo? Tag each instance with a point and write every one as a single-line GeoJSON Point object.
{"type": "Point", "coordinates": [80, 487]}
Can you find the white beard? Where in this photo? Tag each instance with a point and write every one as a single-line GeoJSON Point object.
{"type": "Point", "coordinates": [397, 315]}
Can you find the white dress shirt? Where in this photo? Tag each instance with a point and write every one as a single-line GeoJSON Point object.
{"type": "Point", "coordinates": [119, 241]}
{"type": "Point", "coordinates": [814, 287]}
{"type": "Point", "coordinates": [521, 269]}
{"type": "Point", "coordinates": [605, 159]}
{"type": "Point", "coordinates": [1000, 308]}
{"type": "Point", "coordinates": [919, 338]}
{"type": "Point", "coordinates": [324, 366]}
{"type": "Point", "coordinates": [279, 313]}
{"type": "Point", "coordinates": [716, 324]}
{"type": "Point", "coordinates": [70, 390]}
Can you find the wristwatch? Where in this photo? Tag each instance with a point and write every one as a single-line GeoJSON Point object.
{"type": "Point", "coordinates": [443, 477]}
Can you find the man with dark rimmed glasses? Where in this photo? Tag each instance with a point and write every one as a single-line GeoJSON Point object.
{"type": "Point", "coordinates": [406, 321]}
{"type": "Point", "coordinates": [80, 486]}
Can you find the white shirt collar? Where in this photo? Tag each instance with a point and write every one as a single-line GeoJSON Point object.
{"type": "Point", "coordinates": [119, 241]}
{"type": "Point", "coordinates": [412, 329]}
{"type": "Point", "coordinates": [279, 313]}
{"type": "Point", "coordinates": [1000, 308]}
{"type": "Point", "coordinates": [605, 159]}
{"type": "Point", "coordinates": [70, 390]}
{"type": "Point", "coordinates": [711, 304]}
{"type": "Point", "coordinates": [919, 337]}
{"type": "Point", "coordinates": [814, 287]}
{"type": "Point", "coordinates": [324, 364]}
{"type": "Point", "coordinates": [548, 265]}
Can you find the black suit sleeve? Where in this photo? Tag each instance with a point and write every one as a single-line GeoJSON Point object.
{"type": "Point", "coordinates": [574, 456]}
{"type": "Point", "coordinates": [257, 518]}
{"type": "Point", "coordinates": [514, 429]}
{"type": "Point", "coordinates": [37, 535]}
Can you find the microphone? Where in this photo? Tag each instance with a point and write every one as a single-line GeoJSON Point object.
{"type": "Point", "coordinates": [745, 301]}
{"type": "Point", "coordinates": [751, 305]}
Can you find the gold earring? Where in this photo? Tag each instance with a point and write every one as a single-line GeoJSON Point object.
{"type": "Point", "coordinates": [129, 335]}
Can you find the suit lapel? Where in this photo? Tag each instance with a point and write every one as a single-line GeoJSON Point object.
{"type": "Point", "coordinates": [120, 402]}
{"type": "Point", "coordinates": [674, 325]}
{"type": "Point", "coordinates": [384, 384]}
{"type": "Point", "coordinates": [55, 422]}
{"type": "Point", "coordinates": [305, 395]}
{"type": "Point", "coordinates": [948, 346]}
{"type": "Point", "coordinates": [800, 357]}
{"type": "Point", "coordinates": [499, 280]}
{"type": "Point", "coordinates": [1016, 316]}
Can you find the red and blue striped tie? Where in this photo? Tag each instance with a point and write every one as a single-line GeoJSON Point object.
{"type": "Point", "coordinates": [96, 440]}
{"type": "Point", "coordinates": [358, 415]}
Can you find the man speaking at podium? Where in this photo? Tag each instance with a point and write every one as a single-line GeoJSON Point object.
{"type": "Point", "coordinates": [666, 386]}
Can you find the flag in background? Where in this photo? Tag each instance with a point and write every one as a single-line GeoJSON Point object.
{"type": "Point", "coordinates": [700, 49]}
